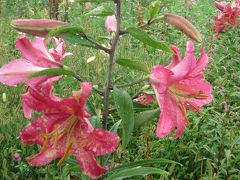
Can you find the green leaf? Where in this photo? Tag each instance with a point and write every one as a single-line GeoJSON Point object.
{"type": "Point", "coordinates": [65, 29]}
{"type": "Point", "coordinates": [52, 72]}
{"type": "Point", "coordinates": [101, 11]}
{"type": "Point", "coordinates": [115, 127]}
{"type": "Point", "coordinates": [95, 121]}
{"type": "Point", "coordinates": [90, 108]}
{"type": "Point", "coordinates": [77, 39]}
{"type": "Point", "coordinates": [137, 171]}
{"type": "Point", "coordinates": [146, 39]}
{"type": "Point", "coordinates": [154, 9]}
{"type": "Point", "coordinates": [124, 107]}
{"type": "Point", "coordinates": [73, 34]}
{"type": "Point", "coordinates": [145, 116]}
{"type": "Point", "coordinates": [133, 64]}
{"type": "Point", "coordinates": [141, 163]}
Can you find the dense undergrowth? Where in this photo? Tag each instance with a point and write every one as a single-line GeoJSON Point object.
{"type": "Point", "coordinates": [210, 146]}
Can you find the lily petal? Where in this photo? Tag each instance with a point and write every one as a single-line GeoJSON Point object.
{"type": "Point", "coordinates": [47, 155]}
{"type": "Point", "coordinates": [36, 52]}
{"type": "Point", "coordinates": [102, 142]}
{"type": "Point", "coordinates": [17, 71]}
{"type": "Point", "coordinates": [185, 66]}
{"type": "Point", "coordinates": [88, 163]}
{"type": "Point", "coordinates": [176, 57]}
{"type": "Point", "coordinates": [167, 119]}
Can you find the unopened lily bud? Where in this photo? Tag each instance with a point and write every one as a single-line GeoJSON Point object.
{"type": "Point", "coordinates": [38, 27]}
{"type": "Point", "coordinates": [220, 5]}
{"type": "Point", "coordinates": [17, 157]}
{"type": "Point", "coordinates": [111, 24]}
{"type": "Point", "coordinates": [184, 25]}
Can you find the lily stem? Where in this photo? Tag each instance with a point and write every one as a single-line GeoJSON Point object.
{"type": "Point", "coordinates": [109, 83]}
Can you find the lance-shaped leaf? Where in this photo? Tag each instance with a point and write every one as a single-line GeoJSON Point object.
{"type": "Point", "coordinates": [136, 171]}
{"type": "Point", "coordinates": [52, 72]}
{"type": "Point", "coordinates": [146, 39]}
{"type": "Point", "coordinates": [184, 25]}
{"type": "Point", "coordinates": [73, 34]}
{"type": "Point", "coordinates": [101, 11]}
{"type": "Point", "coordinates": [115, 127]}
{"type": "Point", "coordinates": [149, 162]}
{"type": "Point", "coordinates": [154, 8]}
{"type": "Point", "coordinates": [133, 64]}
{"type": "Point", "coordinates": [66, 29]}
{"type": "Point", "coordinates": [145, 116]}
{"type": "Point", "coordinates": [124, 107]}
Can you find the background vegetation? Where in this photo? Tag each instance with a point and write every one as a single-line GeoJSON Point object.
{"type": "Point", "coordinates": [210, 146]}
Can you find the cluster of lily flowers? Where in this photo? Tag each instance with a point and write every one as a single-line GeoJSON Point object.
{"type": "Point", "coordinates": [227, 16]}
{"type": "Point", "coordinates": [63, 126]}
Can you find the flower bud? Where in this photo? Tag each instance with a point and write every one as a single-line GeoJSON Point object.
{"type": "Point", "coordinates": [17, 157]}
{"type": "Point", "coordinates": [184, 25]}
{"type": "Point", "coordinates": [220, 5]}
{"type": "Point", "coordinates": [111, 24]}
{"type": "Point", "coordinates": [38, 27]}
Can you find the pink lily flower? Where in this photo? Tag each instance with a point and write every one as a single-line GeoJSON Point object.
{"type": "Point", "coordinates": [36, 58]}
{"type": "Point", "coordinates": [145, 99]}
{"type": "Point", "coordinates": [111, 24]}
{"type": "Point", "coordinates": [180, 86]}
{"type": "Point", "coordinates": [64, 129]}
{"type": "Point", "coordinates": [227, 17]}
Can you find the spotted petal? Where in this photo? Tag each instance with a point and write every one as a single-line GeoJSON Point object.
{"type": "Point", "coordinates": [88, 163]}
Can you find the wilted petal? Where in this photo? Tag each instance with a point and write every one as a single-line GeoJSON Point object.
{"type": "Point", "coordinates": [89, 165]}
{"type": "Point", "coordinates": [17, 71]}
{"type": "Point", "coordinates": [102, 142]}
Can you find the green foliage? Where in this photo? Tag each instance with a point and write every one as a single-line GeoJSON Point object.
{"type": "Point", "coordinates": [209, 148]}
{"type": "Point", "coordinates": [124, 107]}
{"type": "Point", "coordinates": [145, 116]}
{"type": "Point", "coordinates": [52, 72]}
{"type": "Point", "coordinates": [146, 39]}
{"type": "Point", "coordinates": [137, 171]}
{"type": "Point", "coordinates": [133, 64]}
{"type": "Point", "coordinates": [101, 11]}
{"type": "Point", "coordinates": [154, 8]}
